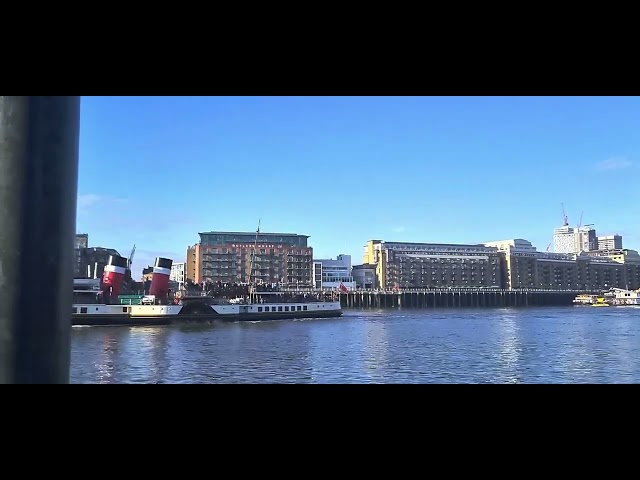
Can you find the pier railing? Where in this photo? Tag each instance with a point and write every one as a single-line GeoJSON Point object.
{"type": "Point", "coordinates": [456, 297]}
{"type": "Point", "coordinates": [466, 290]}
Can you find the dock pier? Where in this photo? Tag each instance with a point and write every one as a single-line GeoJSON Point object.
{"type": "Point", "coordinates": [463, 298]}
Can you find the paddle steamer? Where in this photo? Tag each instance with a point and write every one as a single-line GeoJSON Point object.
{"type": "Point", "coordinates": [102, 306]}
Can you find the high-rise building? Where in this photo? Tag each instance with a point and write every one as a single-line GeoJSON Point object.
{"type": "Point", "coordinates": [610, 242]}
{"type": "Point", "coordinates": [571, 240]}
{"type": "Point", "coordinates": [564, 240]}
{"type": "Point", "coordinates": [587, 239]}
{"type": "Point", "coordinates": [241, 257]}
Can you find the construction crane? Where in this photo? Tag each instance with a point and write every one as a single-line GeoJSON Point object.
{"type": "Point", "coordinates": [130, 261]}
{"type": "Point", "coordinates": [564, 216]}
{"type": "Point", "coordinates": [548, 247]}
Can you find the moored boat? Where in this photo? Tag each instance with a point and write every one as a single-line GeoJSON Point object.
{"type": "Point", "coordinates": [626, 297]}
{"type": "Point", "coordinates": [600, 302]}
{"type": "Point", "coordinates": [199, 310]}
{"type": "Point", "coordinates": [616, 297]}
{"type": "Point", "coordinates": [158, 309]}
{"type": "Point", "coordinates": [585, 299]}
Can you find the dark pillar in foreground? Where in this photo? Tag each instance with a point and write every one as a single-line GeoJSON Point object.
{"type": "Point", "coordinates": [39, 139]}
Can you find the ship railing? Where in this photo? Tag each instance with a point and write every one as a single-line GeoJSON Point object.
{"type": "Point", "coordinates": [292, 296]}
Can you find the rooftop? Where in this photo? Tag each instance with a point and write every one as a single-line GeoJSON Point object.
{"type": "Point", "coordinates": [427, 244]}
{"type": "Point", "coordinates": [253, 233]}
{"type": "Point", "coordinates": [364, 265]}
{"type": "Point", "coordinates": [511, 241]}
{"type": "Point", "coordinates": [632, 254]}
{"type": "Point", "coordinates": [110, 251]}
{"type": "Point", "coordinates": [564, 229]}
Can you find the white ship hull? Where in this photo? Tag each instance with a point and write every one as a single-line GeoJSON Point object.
{"type": "Point", "coordinates": [103, 315]}
{"type": "Point", "coordinates": [616, 297]}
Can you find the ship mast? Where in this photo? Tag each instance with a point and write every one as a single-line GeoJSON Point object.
{"type": "Point", "coordinates": [253, 255]}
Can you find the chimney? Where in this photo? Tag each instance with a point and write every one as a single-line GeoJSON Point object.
{"type": "Point", "coordinates": [113, 277]}
{"type": "Point", "coordinates": [160, 278]}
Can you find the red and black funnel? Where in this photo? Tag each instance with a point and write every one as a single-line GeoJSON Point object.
{"type": "Point", "coordinates": [160, 279]}
{"type": "Point", "coordinates": [113, 277]}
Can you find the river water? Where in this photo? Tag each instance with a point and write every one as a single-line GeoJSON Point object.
{"type": "Point", "coordinates": [538, 345]}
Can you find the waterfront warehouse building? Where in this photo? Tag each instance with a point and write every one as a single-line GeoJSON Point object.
{"type": "Point", "coordinates": [240, 257]}
{"type": "Point", "coordinates": [527, 268]}
{"type": "Point", "coordinates": [433, 265]}
{"type": "Point", "coordinates": [513, 264]}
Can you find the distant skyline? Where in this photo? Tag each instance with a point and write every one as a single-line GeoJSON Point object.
{"type": "Point", "coordinates": [155, 171]}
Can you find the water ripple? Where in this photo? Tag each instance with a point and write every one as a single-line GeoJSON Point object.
{"type": "Point", "coordinates": [565, 345]}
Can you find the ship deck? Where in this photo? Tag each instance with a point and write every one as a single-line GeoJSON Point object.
{"type": "Point", "coordinates": [153, 315]}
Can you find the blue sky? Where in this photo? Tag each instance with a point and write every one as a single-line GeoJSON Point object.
{"type": "Point", "coordinates": [155, 171]}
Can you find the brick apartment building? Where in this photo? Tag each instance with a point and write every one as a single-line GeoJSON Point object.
{"type": "Point", "coordinates": [241, 257]}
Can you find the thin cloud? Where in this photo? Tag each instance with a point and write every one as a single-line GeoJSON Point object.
{"type": "Point", "coordinates": [614, 163]}
{"type": "Point", "coordinates": [89, 200]}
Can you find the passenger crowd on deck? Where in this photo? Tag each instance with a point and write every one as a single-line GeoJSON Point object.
{"type": "Point", "coordinates": [234, 290]}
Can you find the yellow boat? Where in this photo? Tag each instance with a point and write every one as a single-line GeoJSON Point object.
{"type": "Point", "coordinates": [584, 299]}
{"type": "Point", "coordinates": [600, 302]}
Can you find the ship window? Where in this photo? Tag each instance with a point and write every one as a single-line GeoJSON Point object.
{"type": "Point", "coordinates": [259, 309]}
{"type": "Point", "coordinates": [83, 309]}
{"type": "Point", "coordinates": [124, 309]}
{"type": "Point", "coordinates": [286, 309]}
{"type": "Point", "coordinates": [273, 309]}
{"type": "Point", "coordinates": [299, 308]}
{"type": "Point", "coordinates": [304, 307]}
{"type": "Point", "coordinates": [74, 310]}
{"type": "Point", "coordinates": [279, 309]}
